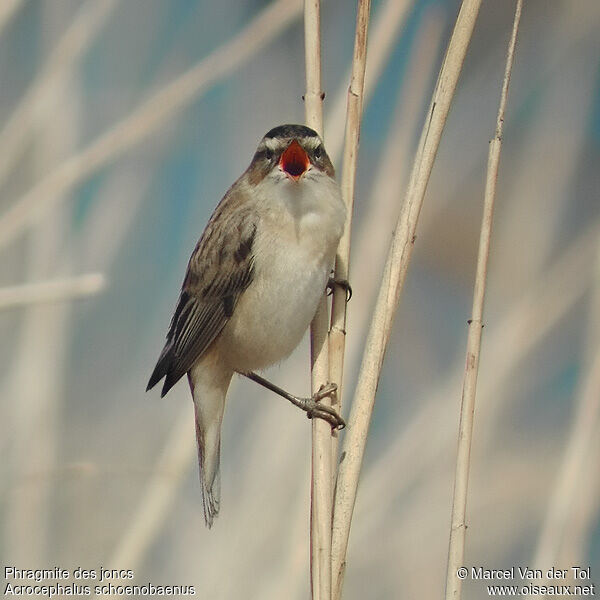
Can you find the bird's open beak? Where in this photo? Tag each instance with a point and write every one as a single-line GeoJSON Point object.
{"type": "Point", "coordinates": [294, 161]}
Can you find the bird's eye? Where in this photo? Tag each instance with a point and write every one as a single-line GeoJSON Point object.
{"type": "Point", "coordinates": [269, 153]}
{"type": "Point", "coordinates": [318, 152]}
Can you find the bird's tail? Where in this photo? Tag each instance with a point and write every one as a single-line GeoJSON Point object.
{"type": "Point", "coordinates": [209, 394]}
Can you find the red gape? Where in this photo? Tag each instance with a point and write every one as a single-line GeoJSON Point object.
{"type": "Point", "coordinates": [294, 161]}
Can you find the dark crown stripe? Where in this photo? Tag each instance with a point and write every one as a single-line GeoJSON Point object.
{"type": "Point", "coordinates": [287, 131]}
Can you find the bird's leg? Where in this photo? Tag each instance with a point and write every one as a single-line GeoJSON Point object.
{"type": "Point", "coordinates": [343, 283]}
{"type": "Point", "coordinates": [311, 406]}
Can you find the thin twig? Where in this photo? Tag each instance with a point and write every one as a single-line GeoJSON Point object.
{"type": "Point", "coordinates": [337, 333]}
{"type": "Point", "coordinates": [538, 308]}
{"type": "Point", "coordinates": [51, 291]}
{"type": "Point", "coordinates": [383, 37]}
{"type": "Point", "coordinates": [313, 98]}
{"type": "Point", "coordinates": [528, 319]}
{"type": "Point", "coordinates": [461, 482]}
{"type": "Point", "coordinates": [147, 118]}
{"type": "Point", "coordinates": [397, 138]}
{"type": "Point", "coordinates": [369, 258]}
{"type": "Point", "coordinates": [321, 480]}
{"type": "Point", "coordinates": [393, 279]}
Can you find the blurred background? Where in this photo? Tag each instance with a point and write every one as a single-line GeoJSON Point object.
{"type": "Point", "coordinates": [122, 124]}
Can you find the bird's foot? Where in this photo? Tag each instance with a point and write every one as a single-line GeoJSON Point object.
{"type": "Point", "coordinates": [343, 283]}
{"type": "Point", "coordinates": [311, 406]}
{"type": "Point", "coordinates": [314, 408]}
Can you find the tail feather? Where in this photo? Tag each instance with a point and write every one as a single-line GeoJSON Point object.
{"type": "Point", "coordinates": [209, 386]}
{"type": "Point", "coordinates": [169, 366]}
{"type": "Point", "coordinates": [210, 471]}
{"type": "Point", "coordinates": [163, 368]}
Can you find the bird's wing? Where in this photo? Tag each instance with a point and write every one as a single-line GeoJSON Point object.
{"type": "Point", "coordinates": [220, 269]}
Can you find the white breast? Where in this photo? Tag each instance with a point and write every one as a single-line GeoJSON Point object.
{"type": "Point", "coordinates": [294, 251]}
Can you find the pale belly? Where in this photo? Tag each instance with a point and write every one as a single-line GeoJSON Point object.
{"type": "Point", "coordinates": [273, 314]}
{"type": "Point", "coordinates": [294, 251]}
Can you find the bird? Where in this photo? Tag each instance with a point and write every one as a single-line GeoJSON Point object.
{"type": "Point", "coordinates": [253, 284]}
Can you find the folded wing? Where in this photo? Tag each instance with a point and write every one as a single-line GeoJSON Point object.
{"type": "Point", "coordinates": [220, 269]}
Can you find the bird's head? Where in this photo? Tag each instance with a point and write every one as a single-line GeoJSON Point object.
{"type": "Point", "coordinates": [290, 153]}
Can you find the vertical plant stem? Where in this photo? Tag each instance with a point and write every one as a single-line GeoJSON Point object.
{"type": "Point", "coordinates": [337, 334]}
{"type": "Point", "coordinates": [393, 280]}
{"type": "Point", "coordinates": [385, 29]}
{"type": "Point", "coordinates": [461, 481]}
{"type": "Point", "coordinates": [313, 98]}
{"type": "Point", "coordinates": [321, 489]}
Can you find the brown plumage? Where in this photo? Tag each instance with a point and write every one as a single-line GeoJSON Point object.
{"type": "Point", "coordinates": [253, 282]}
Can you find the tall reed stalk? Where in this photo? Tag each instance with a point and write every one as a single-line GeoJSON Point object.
{"type": "Point", "coordinates": [393, 280]}
{"type": "Point", "coordinates": [322, 468]}
{"type": "Point", "coordinates": [327, 349]}
{"type": "Point", "coordinates": [337, 334]}
{"type": "Point", "coordinates": [461, 481]}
